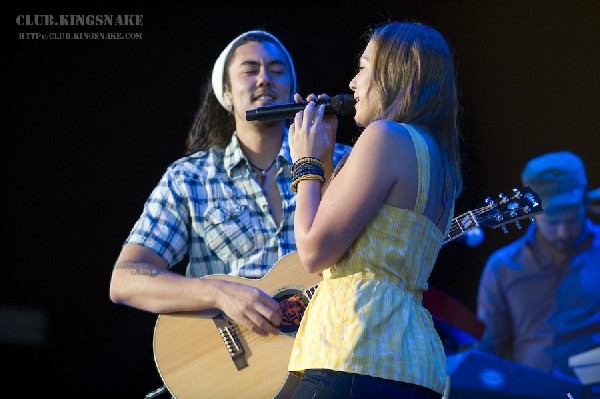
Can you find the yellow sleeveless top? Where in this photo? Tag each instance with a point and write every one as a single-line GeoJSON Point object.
{"type": "Point", "coordinates": [366, 316]}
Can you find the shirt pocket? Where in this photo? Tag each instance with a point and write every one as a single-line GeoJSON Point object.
{"type": "Point", "coordinates": [228, 230]}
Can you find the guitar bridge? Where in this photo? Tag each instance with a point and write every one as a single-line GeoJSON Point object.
{"type": "Point", "coordinates": [231, 338]}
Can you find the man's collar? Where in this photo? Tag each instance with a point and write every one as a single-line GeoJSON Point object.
{"type": "Point", "coordinates": [234, 155]}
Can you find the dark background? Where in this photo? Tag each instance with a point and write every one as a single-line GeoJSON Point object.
{"type": "Point", "coordinates": [91, 126]}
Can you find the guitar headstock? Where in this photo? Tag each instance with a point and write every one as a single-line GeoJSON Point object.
{"type": "Point", "coordinates": [524, 203]}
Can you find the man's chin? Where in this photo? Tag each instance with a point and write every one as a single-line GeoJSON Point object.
{"type": "Point", "coordinates": [268, 124]}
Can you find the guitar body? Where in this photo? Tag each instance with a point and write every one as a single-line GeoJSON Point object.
{"type": "Point", "coordinates": [191, 348]}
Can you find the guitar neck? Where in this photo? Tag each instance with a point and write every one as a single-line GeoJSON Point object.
{"type": "Point", "coordinates": [460, 225]}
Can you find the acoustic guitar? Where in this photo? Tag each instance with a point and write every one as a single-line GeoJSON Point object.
{"type": "Point", "coordinates": [206, 355]}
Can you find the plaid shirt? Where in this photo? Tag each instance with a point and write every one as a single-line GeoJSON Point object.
{"type": "Point", "coordinates": [208, 206]}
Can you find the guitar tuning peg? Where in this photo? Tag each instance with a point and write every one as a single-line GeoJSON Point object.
{"type": "Point", "coordinates": [518, 224]}
{"type": "Point", "coordinates": [489, 201]}
{"type": "Point", "coordinates": [504, 229]}
{"type": "Point", "coordinates": [517, 193]}
{"type": "Point", "coordinates": [531, 199]}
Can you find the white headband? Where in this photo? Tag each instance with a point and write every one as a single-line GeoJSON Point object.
{"type": "Point", "coordinates": [219, 68]}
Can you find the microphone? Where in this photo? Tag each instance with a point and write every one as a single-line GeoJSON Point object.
{"type": "Point", "coordinates": [340, 105]}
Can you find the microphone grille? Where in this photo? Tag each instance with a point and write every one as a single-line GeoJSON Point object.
{"type": "Point", "coordinates": [343, 105]}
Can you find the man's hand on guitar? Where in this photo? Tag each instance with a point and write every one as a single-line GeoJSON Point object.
{"type": "Point", "coordinates": [250, 306]}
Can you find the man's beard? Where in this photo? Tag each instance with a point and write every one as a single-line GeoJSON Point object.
{"type": "Point", "coordinates": [562, 245]}
{"type": "Point", "coordinates": [558, 244]}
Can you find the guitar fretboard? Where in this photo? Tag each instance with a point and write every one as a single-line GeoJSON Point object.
{"type": "Point", "coordinates": [460, 225]}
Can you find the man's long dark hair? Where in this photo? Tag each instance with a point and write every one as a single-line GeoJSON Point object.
{"type": "Point", "coordinates": [212, 126]}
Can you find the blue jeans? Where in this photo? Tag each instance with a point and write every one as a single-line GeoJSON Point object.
{"type": "Point", "coordinates": [329, 384]}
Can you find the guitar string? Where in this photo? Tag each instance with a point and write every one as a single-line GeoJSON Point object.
{"type": "Point", "coordinates": [481, 211]}
{"type": "Point", "coordinates": [456, 226]}
{"type": "Point", "coordinates": [455, 229]}
{"type": "Point", "coordinates": [308, 293]}
{"type": "Point", "coordinates": [253, 338]}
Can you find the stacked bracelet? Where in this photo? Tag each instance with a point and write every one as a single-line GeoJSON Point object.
{"type": "Point", "coordinates": [306, 161]}
{"type": "Point", "coordinates": [307, 168]}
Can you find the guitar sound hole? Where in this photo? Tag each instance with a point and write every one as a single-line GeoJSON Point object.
{"type": "Point", "coordinates": [292, 306]}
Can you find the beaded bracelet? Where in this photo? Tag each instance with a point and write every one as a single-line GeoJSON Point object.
{"type": "Point", "coordinates": [306, 160]}
{"type": "Point", "coordinates": [307, 176]}
{"type": "Point", "coordinates": [307, 168]}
